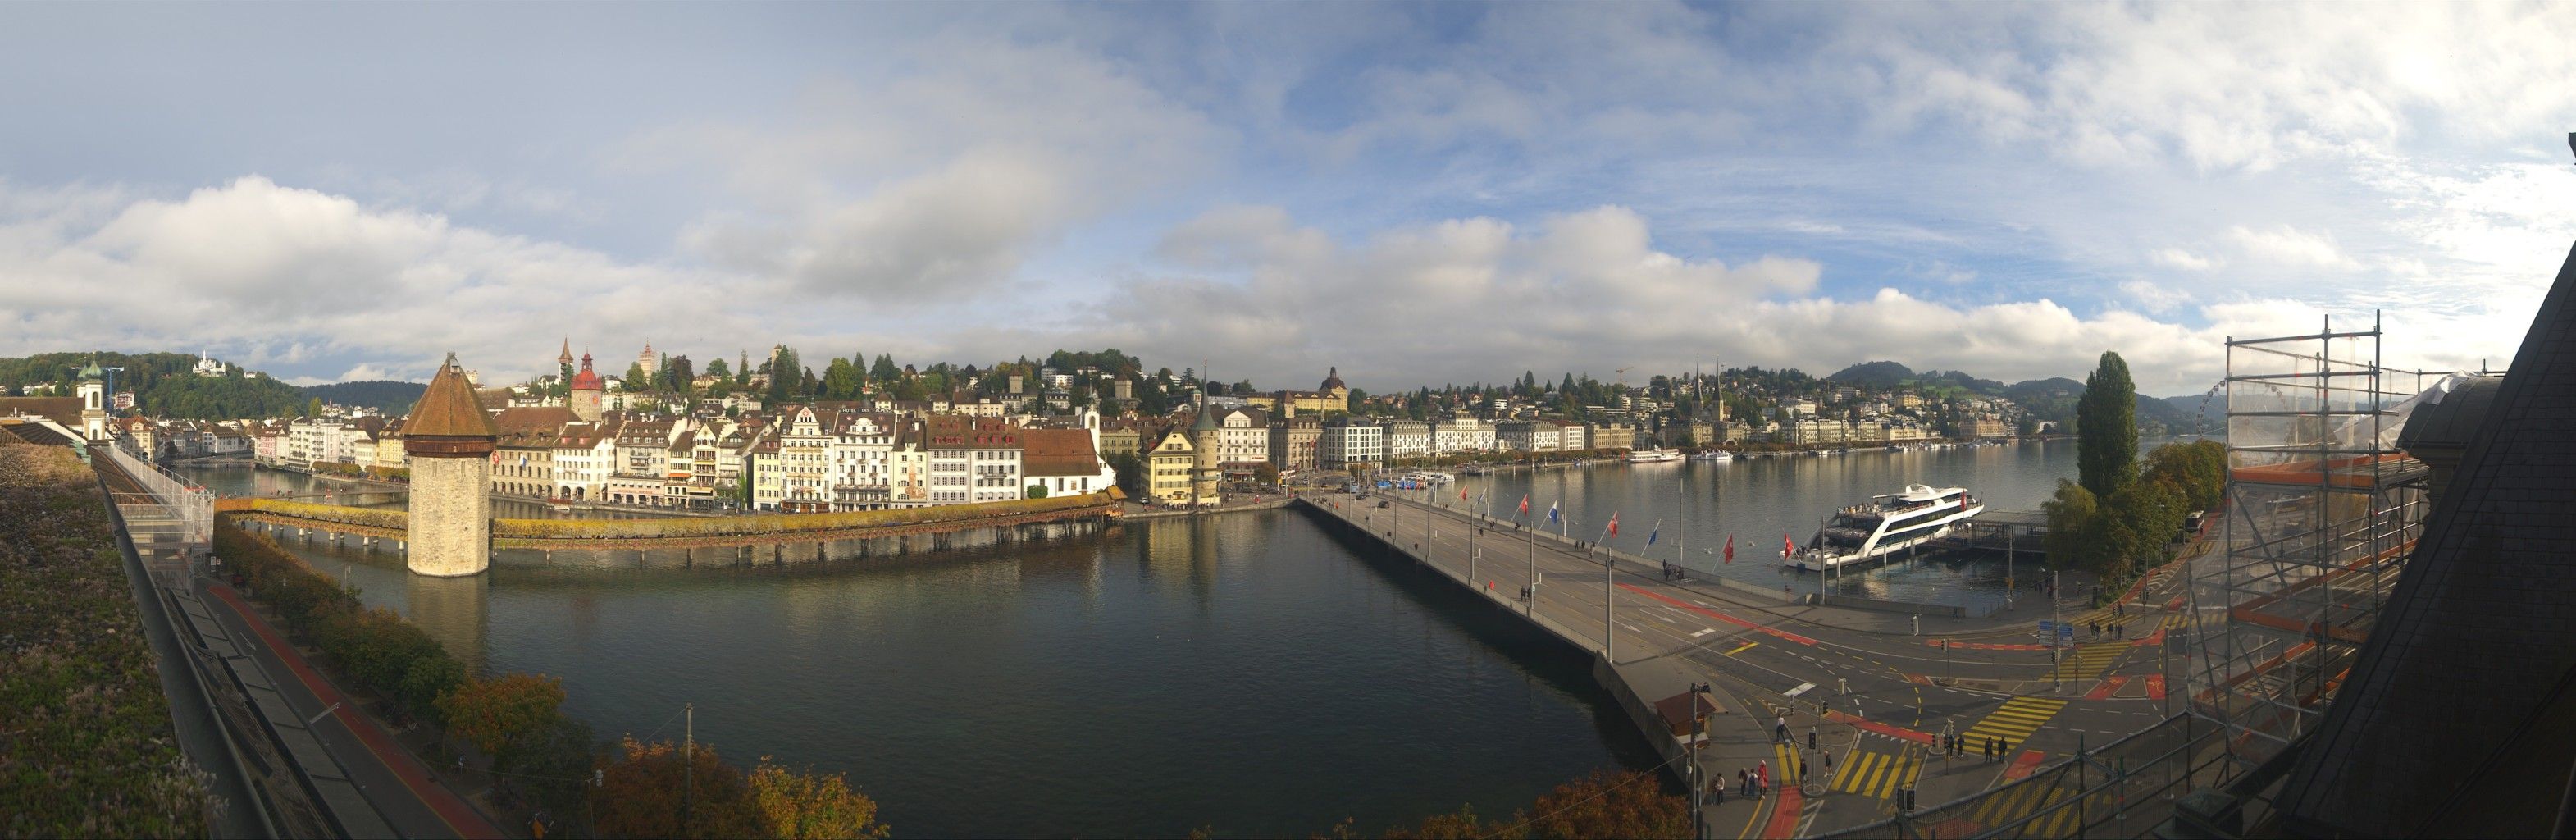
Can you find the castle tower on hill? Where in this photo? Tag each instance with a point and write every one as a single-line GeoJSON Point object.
{"type": "Point", "coordinates": [649, 361]}
{"type": "Point", "coordinates": [586, 392]}
{"type": "Point", "coordinates": [449, 442]}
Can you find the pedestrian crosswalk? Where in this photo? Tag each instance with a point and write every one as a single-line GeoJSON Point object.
{"type": "Point", "coordinates": [2087, 661]}
{"type": "Point", "coordinates": [2024, 810]}
{"type": "Point", "coordinates": [1785, 767]}
{"type": "Point", "coordinates": [2015, 720]}
{"type": "Point", "coordinates": [1877, 775]}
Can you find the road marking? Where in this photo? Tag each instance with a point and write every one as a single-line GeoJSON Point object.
{"type": "Point", "coordinates": [1801, 689]}
{"type": "Point", "coordinates": [2016, 719]}
{"type": "Point", "coordinates": [1720, 616]}
{"type": "Point", "coordinates": [1704, 632]}
{"type": "Point", "coordinates": [1745, 647]}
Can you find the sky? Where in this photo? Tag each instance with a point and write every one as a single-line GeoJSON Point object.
{"type": "Point", "coordinates": [1416, 194]}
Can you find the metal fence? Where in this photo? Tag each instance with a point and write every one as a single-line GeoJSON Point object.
{"type": "Point", "coordinates": [2121, 789]}
{"type": "Point", "coordinates": [171, 518]}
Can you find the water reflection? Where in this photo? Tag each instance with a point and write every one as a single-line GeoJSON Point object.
{"type": "Point", "coordinates": [1018, 689]}
{"type": "Point", "coordinates": [454, 610]}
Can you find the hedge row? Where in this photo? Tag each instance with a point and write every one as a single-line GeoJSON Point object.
{"type": "Point", "coordinates": [86, 747]}
{"type": "Point", "coordinates": [374, 647]}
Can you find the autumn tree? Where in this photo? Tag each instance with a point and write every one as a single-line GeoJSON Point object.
{"type": "Point", "coordinates": [1462, 825]}
{"type": "Point", "coordinates": [795, 805]}
{"type": "Point", "coordinates": [501, 714]}
{"type": "Point", "coordinates": [2073, 537]}
{"type": "Point", "coordinates": [1605, 804]}
{"type": "Point", "coordinates": [648, 792]}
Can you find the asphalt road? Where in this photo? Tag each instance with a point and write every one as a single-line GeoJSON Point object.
{"type": "Point", "coordinates": [1889, 695]}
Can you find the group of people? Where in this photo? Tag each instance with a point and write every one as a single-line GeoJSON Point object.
{"type": "Point", "coordinates": [2118, 630]}
{"type": "Point", "coordinates": [1672, 572]}
{"type": "Point", "coordinates": [1754, 782]}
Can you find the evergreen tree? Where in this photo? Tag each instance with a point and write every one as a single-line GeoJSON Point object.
{"type": "Point", "coordinates": [742, 368]}
{"type": "Point", "coordinates": [2106, 456]}
{"type": "Point", "coordinates": [784, 382]}
{"type": "Point", "coordinates": [884, 371]}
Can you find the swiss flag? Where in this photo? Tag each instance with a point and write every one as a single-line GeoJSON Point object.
{"type": "Point", "coordinates": [1614, 523]}
{"type": "Point", "coordinates": [1788, 547]}
{"type": "Point", "coordinates": [1462, 494]}
{"type": "Point", "coordinates": [1730, 548]}
{"type": "Point", "coordinates": [1524, 504]}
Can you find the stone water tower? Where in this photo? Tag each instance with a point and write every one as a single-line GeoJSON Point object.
{"type": "Point", "coordinates": [449, 442]}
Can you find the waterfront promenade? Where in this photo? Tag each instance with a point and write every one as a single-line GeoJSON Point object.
{"type": "Point", "coordinates": [1871, 693]}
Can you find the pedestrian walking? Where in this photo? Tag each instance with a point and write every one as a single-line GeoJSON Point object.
{"type": "Point", "coordinates": [1780, 730]}
{"type": "Point", "coordinates": [2003, 748]}
{"type": "Point", "coordinates": [1717, 794]}
{"type": "Point", "coordinates": [1829, 763]}
{"type": "Point", "coordinates": [1744, 781]}
{"type": "Point", "coordinates": [1802, 769]}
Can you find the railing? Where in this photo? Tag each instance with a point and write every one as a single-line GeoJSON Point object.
{"type": "Point", "coordinates": [190, 506]}
{"type": "Point", "coordinates": [688, 527]}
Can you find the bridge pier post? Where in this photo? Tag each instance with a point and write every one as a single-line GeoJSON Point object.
{"type": "Point", "coordinates": [688, 556]}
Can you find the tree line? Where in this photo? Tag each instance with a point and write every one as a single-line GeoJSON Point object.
{"type": "Point", "coordinates": [543, 761]}
{"type": "Point", "coordinates": [2119, 516]}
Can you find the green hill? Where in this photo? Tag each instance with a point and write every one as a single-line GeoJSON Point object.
{"type": "Point", "coordinates": [388, 396]}
{"type": "Point", "coordinates": [164, 384]}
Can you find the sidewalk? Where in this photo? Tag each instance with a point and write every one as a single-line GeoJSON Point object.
{"type": "Point", "coordinates": [403, 791]}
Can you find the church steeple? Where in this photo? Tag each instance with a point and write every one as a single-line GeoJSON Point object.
{"type": "Point", "coordinates": [566, 356]}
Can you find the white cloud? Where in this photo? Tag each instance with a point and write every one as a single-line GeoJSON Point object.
{"type": "Point", "coordinates": [2286, 245]}
{"type": "Point", "coordinates": [940, 181]}
{"type": "Point", "coordinates": [1479, 299]}
{"type": "Point", "coordinates": [2154, 297]}
{"type": "Point", "coordinates": [2179, 258]}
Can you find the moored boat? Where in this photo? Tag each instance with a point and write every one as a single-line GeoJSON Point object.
{"type": "Point", "coordinates": [1884, 525]}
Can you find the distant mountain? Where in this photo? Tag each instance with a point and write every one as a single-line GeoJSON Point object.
{"type": "Point", "coordinates": [1879, 375]}
{"type": "Point", "coordinates": [392, 398]}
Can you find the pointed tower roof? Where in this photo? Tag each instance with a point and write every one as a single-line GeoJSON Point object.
{"type": "Point", "coordinates": [566, 357]}
{"type": "Point", "coordinates": [93, 371]}
{"type": "Point", "coordinates": [1206, 421]}
{"type": "Point", "coordinates": [587, 379]}
{"type": "Point", "coordinates": [448, 407]}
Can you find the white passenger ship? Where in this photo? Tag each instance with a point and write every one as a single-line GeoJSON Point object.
{"type": "Point", "coordinates": [1886, 525]}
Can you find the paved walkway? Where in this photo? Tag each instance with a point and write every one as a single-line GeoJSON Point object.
{"type": "Point", "coordinates": [401, 790]}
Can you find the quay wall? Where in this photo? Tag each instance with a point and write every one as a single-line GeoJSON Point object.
{"type": "Point", "coordinates": [1616, 681]}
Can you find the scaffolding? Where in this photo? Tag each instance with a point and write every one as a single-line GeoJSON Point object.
{"type": "Point", "coordinates": [2322, 510]}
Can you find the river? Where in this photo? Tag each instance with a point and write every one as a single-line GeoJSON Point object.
{"type": "Point", "coordinates": [1247, 673]}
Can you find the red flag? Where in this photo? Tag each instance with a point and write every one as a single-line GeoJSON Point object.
{"type": "Point", "coordinates": [1730, 548]}
{"type": "Point", "coordinates": [1788, 546]}
{"type": "Point", "coordinates": [1524, 504]}
{"type": "Point", "coordinates": [1462, 494]}
{"type": "Point", "coordinates": [1614, 523]}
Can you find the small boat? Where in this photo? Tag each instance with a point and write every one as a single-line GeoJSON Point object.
{"type": "Point", "coordinates": [1714, 455]}
{"type": "Point", "coordinates": [1885, 525]}
{"type": "Point", "coordinates": [1653, 456]}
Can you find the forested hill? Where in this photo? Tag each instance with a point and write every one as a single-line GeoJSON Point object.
{"type": "Point", "coordinates": [164, 384]}
{"type": "Point", "coordinates": [385, 395]}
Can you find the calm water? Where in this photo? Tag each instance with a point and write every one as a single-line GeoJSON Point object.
{"type": "Point", "coordinates": [1248, 672]}
{"type": "Point", "coordinates": [1758, 500]}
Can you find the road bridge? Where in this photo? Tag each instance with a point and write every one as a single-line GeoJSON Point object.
{"type": "Point", "coordinates": [1872, 695]}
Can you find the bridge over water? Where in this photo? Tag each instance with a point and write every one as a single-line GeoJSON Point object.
{"type": "Point", "coordinates": [686, 533]}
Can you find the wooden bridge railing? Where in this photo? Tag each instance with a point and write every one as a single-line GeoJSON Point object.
{"type": "Point", "coordinates": [523, 531]}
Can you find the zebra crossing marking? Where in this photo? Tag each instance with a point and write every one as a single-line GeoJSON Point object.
{"type": "Point", "coordinates": [2016, 719]}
